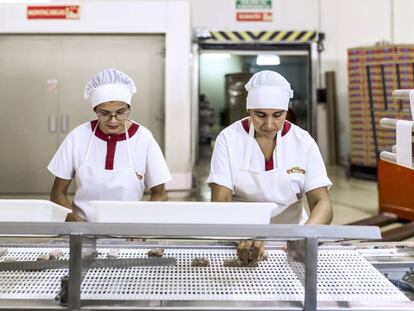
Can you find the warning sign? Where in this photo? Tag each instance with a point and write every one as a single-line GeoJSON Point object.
{"type": "Point", "coordinates": [254, 16]}
{"type": "Point", "coordinates": [53, 12]}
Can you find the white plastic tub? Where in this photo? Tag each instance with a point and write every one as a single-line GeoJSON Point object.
{"type": "Point", "coordinates": [182, 212]}
{"type": "Point", "coordinates": [32, 211]}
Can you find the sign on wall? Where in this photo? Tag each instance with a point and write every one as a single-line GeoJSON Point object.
{"type": "Point", "coordinates": [53, 12]}
{"type": "Point", "coordinates": [254, 10]}
{"type": "Point", "coordinates": [254, 16]}
{"type": "Point", "coordinates": [253, 4]}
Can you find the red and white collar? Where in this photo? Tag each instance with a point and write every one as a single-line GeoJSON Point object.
{"type": "Point", "coordinates": [286, 127]}
{"type": "Point", "coordinates": [114, 137]}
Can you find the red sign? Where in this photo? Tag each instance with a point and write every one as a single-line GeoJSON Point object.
{"type": "Point", "coordinates": [254, 16]}
{"type": "Point", "coordinates": [53, 12]}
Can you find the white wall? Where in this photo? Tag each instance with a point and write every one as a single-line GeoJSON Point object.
{"type": "Point", "coordinates": [403, 26]}
{"type": "Point", "coordinates": [171, 18]}
{"type": "Point", "coordinates": [287, 14]}
{"type": "Point", "coordinates": [346, 23]}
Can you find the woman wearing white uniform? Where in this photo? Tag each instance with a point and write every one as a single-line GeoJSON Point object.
{"type": "Point", "coordinates": [264, 158]}
{"type": "Point", "coordinates": [110, 158]}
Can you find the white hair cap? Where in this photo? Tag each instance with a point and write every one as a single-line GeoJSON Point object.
{"type": "Point", "coordinates": [268, 90]}
{"type": "Point", "coordinates": [110, 85]}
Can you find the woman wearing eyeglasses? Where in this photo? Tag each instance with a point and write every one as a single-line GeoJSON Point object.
{"type": "Point", "coordinates": [110, 158]}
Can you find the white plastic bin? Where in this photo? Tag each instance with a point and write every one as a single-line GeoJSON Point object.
{"type": "Point", "coordinates": [32, 211]}
{"type": "Point", "coordinates": [182, 212]}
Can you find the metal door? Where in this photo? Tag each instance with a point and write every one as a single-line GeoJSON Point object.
{"type": "Point", "coordinates": [28, 97]}
{"type": "Point", "coordinates": [42, 79]}
{"type": "Point", "coordinates": [140, 57]}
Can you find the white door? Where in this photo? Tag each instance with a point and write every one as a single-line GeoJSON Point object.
{"type": "Point", "coordinates": [28, 69]}
{"type": "Point", "coordinates": [42, 78]}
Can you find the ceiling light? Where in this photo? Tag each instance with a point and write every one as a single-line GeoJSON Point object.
{"type": "Point", "coordinates": [267, 59]}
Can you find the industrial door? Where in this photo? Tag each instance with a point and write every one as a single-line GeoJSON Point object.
{"type": "Point", "coordinates": [140, 57]}
{"type": "Point", "coordinates": [27, 128]}
{"type": "Point", "coordinates": [42, 79]}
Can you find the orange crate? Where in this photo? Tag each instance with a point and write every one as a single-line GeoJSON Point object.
{"type": "Point", "coordinates": [395, 189]}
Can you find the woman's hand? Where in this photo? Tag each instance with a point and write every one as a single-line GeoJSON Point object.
{"type": "Point", "coordinates": [250, 252]}
{"type": "Point", "coordinates": [73, 217]}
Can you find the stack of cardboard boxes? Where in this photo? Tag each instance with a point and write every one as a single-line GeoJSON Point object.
{"type": "Point", "coordinates": [373, 73]}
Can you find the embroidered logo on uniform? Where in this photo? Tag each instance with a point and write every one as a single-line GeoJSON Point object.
{"type": "Point", "coordinates": [296, 170]}
{"type": "Point", "coordinates": [139, 176]}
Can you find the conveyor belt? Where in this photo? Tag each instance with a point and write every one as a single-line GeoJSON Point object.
{"type": "Point", "coordinates": [343, 275]}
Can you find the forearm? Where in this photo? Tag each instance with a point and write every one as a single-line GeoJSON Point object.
{"type": "Point", "coordinates": [220, 193]}
{"type": "Point", "coordinates": [321, 213]}
{"type": "Point", "coordinates": [158, 193]}
{"type": "Point", "coordinates": [158, 196]}
{"type": "Point", "coordinates": [216, 197]}
{"type": "Point", "coordinates": [58, 194]}
{"type": "Point", "coordinates": [61, 199]}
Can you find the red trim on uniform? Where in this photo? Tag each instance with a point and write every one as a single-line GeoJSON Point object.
{"type": "Point", "coordinates": [118, 137]}
{"type": "Point", "coordinates": [111, 141]}
{"type": "Point", "coordinates": [269, 164]}
{"type": "Point", "coordinates": [286, 127]}
{"type": "Point", "coordinates": [110, 154]}
{"type": "Point", "coordinates": [245, 124]}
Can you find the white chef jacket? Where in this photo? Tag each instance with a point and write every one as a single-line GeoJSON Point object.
{"type": "Point", "coordinates": [110, 152]}
{"type": "Point", "coordinates": [297, 152]}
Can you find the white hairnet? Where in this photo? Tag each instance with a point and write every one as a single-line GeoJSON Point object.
{"type": "Point", "coordinates": [268, 90]}
{"type": "Point", "coordinates": [110, 85]}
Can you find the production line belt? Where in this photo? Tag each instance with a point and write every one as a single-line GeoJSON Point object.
{"type": "Point", "coordinates": [343, 275]}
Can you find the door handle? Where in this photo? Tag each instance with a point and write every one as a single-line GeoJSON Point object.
{"type": "Point", "coordinates": [64, 123]}
{"type": "Point", "coordinates": [52, 123]}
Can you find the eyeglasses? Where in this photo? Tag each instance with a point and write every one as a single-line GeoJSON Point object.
{"type": "Point", "coordinates": [106, 115]}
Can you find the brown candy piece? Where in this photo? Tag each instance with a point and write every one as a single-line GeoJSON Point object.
{"type": "Point", "coordinates": [3, 251]}
{"type": "Point", "coordinates": [234, 263]}
{"type": "Point", "coordinates": [200, 262]}
{"type": "Point", "coordinates": [55, 254]}
{"type": "Point", "coordinates": [156, 252]}
{"type": "Point", "coordinates": [42, 257]}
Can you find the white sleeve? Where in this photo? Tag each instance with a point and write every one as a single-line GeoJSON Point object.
{"type": "Point", "coordinates": [156, 172]}
{"type": "Point", "coordinates": [220, 171]}
{"type": "Point", "coordinates": [316, 175]}
{"type": "Point", "coordinates": [62, 163]}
